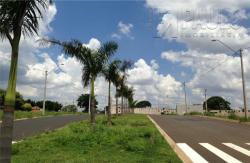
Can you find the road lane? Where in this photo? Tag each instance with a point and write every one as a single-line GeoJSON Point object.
{"type": "Point", "coordinates": [30, 127]}
{"type": "Point", "coordinates": [194, 131]}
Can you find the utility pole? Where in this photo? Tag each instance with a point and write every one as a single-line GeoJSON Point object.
{"type": "Point", "coordinates": [242, 75]}
{"type": "Point", "coordinates": [184, 86]}
{"type": "Point", "coordinates": [243, 85]}
{"type": "Point", "coordinates": [206, 99]}
{"type": "Point", "coordinates": [44, 95]}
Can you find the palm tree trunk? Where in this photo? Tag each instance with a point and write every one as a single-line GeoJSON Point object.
{"type": "Point", "coordinates": [92, 99]}
{"type": "Point", "coordinates": [6, 134]}
{"type": "Point", "coordinates": [116, 103]}
{"type": "Point", "coordinates": [122, 107]}
{"type": "Point", "coordinates": [109, 106]}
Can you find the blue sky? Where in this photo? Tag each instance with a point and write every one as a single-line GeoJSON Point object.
{"type": "Point", "coordinates": [160, 64]}
{"type": "Point", "coordinates": [84, 20]}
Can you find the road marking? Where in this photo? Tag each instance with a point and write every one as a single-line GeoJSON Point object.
{"type": "Point", "coordinates": [226, 157]}
{"type": "Point", "coordinates": [248, 143]}
{"type": "Point", "coordinates": [238, 148]}
{"type": "Point", "coordinates": [194, 156]}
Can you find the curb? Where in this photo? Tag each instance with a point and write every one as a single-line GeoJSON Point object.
{"type": "Point", "coordinates": [171, 142]}
{"type": "Point", "coordinates": [47, 116]}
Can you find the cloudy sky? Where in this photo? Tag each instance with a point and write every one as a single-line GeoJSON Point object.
{"type": "Point", "coordinates": [168, 41]}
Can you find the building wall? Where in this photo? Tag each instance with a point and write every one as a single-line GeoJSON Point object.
{"type": "Point", "coordinates": [147, 111]}
{"type": "Point", "coordinates": [181, 109]}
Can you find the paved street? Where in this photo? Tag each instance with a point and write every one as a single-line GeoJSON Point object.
{"type": "Point", "coordinates": [31, 127]}
{"type": "Point", "coordinates": [207, 140]}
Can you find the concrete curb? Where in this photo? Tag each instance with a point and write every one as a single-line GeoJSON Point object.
{"type": "Point", "coordinates": [223, 119]}
{"type": "Point", "coordinates": [47, 116]}
{"type": "Point", "coordinates": [171, 142]}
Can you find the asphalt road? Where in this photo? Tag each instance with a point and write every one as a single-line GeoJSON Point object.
{"type": "Point", "coordinates": [31, 127]}
{"type": "Point", "coordinates": [207, 140]}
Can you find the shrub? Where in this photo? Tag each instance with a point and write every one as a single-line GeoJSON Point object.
{"type": "Point", "coordinates": [233, 116]}
{"type": "Point", "coordinates": [26, 107]}
{"type": "Point", "coordinates": [209, 114]}
{"type": "Point", "coordinates": [193, 113]}
{"type": "Point", "coordinates": [69, 108]}
{"type": "Point", "coordinates": [243, 119]}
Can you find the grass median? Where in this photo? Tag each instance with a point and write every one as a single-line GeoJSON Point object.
{"type": "Point", "coordinates": [131, 138]}
{"type": "Point", "coordinates": [30, 114]}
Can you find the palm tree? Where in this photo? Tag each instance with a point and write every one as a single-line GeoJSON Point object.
{"type": "Point", "coordinates": [16, 18]}
{"type": "Point", "coordinates": [110, 72]}
{"type": "Point", "coordinates": [93, 62]}
{"type": "Point", "coordinates": [117, 83]}
{"type": "Point", "coordinates": [124, 67]}
{"type": "Point", "coordinates": [128, 93]}
{"type": "Point", "coordinates": [93, 66]}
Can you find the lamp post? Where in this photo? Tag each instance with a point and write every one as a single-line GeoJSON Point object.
{"type": "Point", "coordinates": [45, 86]}
{"type": "Point", "coordinates": [44, 93]}
{"type": "Point", "coordinates": [242, 74]}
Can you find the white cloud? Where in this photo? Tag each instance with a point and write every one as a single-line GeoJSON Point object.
{"type": "Point", "coordinates": [152, 86]}
{"type": "Point", "coordinates": [154, 64]}
{"type": "Point", "coordinates": [195, 26]}
{"type": "Point", "coordinates": [93, 44]}
{"type": "Point", "coordinates": [164, 6]}
{"type": "Point", "coordinates": [199, 32]}
{"type": "Point", "coordinates": [123, 30]}
{"type": "Point", "coordinates": [219, 73]}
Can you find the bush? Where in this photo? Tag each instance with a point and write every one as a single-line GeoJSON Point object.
{"type": "Point", "coordinates": [243, 119]}
{"type": "Point", "coordinates": [209, 114]}
{"type": "Point", "coordinates": [26, 107]}
{"type": "Point", "coordinates": [193, 113]}
{"type": "Point", "coordinates": [233, 116]}
{"type": "Point", "coordinates": [69, 108]}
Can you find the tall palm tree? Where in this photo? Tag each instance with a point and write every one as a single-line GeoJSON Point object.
{"type": "Point", "coordinates": [16, 18]}
{"type": "Point", "coordinates": [117, 83]}
{"type": "Point", "coordinates": [93, 66]}
{"type": "Point", "coordinates": [124, 67]}
{"type": "Point", "coordinates": [110, 72]}
{"type": "Point", "coordinates": [93, 62]}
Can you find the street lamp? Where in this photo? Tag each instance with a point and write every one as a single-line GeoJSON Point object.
{"type": "Point", "coordinates": [242, 73]}
{"type": "Point", "coordinates": [45, 86]}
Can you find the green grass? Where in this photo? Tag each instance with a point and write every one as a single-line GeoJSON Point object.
{"type": "Point", "coordinates": [131, 139]}
{"type": "Point", "coordinates": [26, 114]}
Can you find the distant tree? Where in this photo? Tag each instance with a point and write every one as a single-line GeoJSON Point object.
{"type": "Point", "coordinates": [32, 102]}
{"type": "Point", "coordinates": [50, 105]}
{"type": "Point", "coordinates": [110, 71]}
{"type": "Point", "coordinates": [26, 107]}
{"type": "Point", "coordinates": [143, 104]}
{"type": "Point", "coordinates": [19, 99]}
{"type": "Point", "coordinates": [2, 94]}
{"type": "Point", "coordinates": [69, 108]}
{"type": "Point", "coordinates": [83, 102]}
{"type": "Point", "coordinates": [217, 103]}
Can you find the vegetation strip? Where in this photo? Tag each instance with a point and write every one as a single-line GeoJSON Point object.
{"type": "Point", "coordinates": [172, 143]}
{"type": "Point", "coordinates": [223, 119]}
{"type": "Point", "coordinates": [130, 138]}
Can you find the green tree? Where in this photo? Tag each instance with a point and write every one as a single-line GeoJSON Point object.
{"type": "Point", "coordinates": [69, 108]}
{"type": "Point", "coordinates": [50, 105]}
{"type": "Point", "coordinates": [217, 103]}
{"type": "Point", "coordinates": [18, 102]}
{"type": "Point", "coordinates": [121, 81]}
{"type": "Point", "coordinates": [93, 62]}
{"type": "Point", "coordinates": [143, 104]}
{"type": "Point", "coordinates": [83, 102]}
{"type": "Point", "coordinates": [26, 107]}
{"type": "Point", "coordinates": [110, 72]}
{"type": "Point", "coordinates": [16, 18]}
{"type": "Point", "coordinates": [32, 102]}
